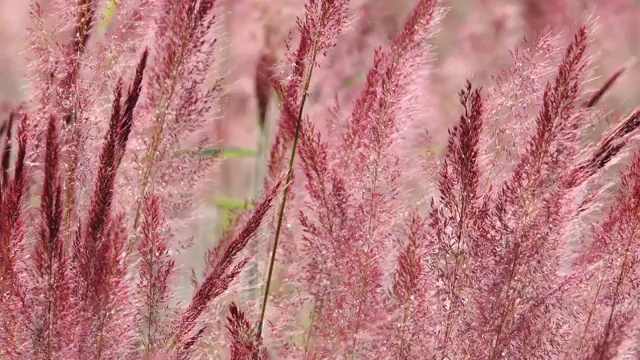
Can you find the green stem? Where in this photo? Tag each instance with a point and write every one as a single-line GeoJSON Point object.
{"type": "Point", "coordinates": [616, 294]}
{"type": "Point", "coordinates": [284, 199]}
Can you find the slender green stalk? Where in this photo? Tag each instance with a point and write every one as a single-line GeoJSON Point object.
{"type": "Point", "coordinates": [284, 198]}
{"type": "Point", "coordinates": [314, 314]}
{"type": "Point", "coordinates": [616, 294]}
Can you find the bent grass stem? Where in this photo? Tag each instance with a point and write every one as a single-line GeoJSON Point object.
{"type": "Point", "coordinates": [296, 136]}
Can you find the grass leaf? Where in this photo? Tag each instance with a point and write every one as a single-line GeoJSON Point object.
{"type": "Point", "coordinates": [231, 204]}
{"type": "Point", "coordinates": [227, 153]}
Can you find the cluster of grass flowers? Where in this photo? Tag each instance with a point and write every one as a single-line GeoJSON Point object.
{"type": "Point", "coordinates": [519, 242]}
